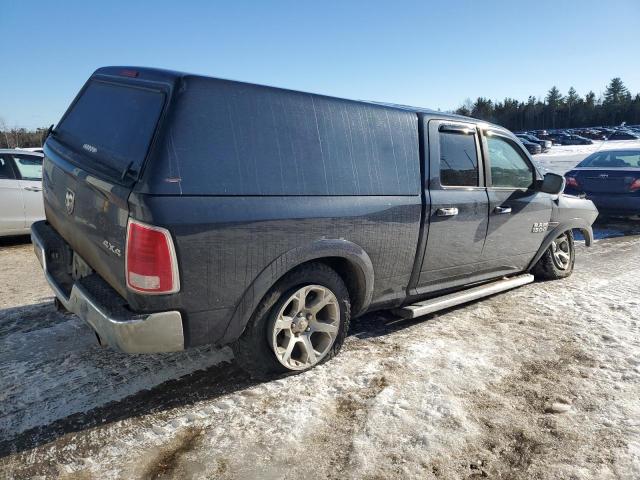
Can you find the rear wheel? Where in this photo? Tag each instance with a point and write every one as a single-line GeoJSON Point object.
{"type": "Point", "coordinates": [302, 322]}
{"type": "Point", "coordinates": [558, 260]}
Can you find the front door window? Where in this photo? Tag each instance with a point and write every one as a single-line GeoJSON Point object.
{"type": "Point", "coordinates": [508, 167]}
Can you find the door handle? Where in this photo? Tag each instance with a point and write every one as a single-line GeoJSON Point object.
{"type": "Point", "coordinates": [447, 212]}
{"type": "Point", "coordinates": [503, 210]}
{"type": "Point", "coordinates": [33, 189]}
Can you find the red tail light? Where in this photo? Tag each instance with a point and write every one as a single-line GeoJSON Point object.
{"type": "Point", "coordinates": [572, 182]}
{"type": "Point", "coordinates": [635, 186]}
{"type": "Point", "coordinates": [151, 264]}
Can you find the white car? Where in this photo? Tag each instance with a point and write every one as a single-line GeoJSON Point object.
{"type": "Point", "coordinates": [31, 149]}
{"type": "Point", "coordinates": [20, 191]}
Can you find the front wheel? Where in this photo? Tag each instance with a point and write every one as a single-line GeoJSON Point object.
{"type": "Point", "coordinates": [302, 322]}
{"type": "Point", "coordinates": [558, 260]}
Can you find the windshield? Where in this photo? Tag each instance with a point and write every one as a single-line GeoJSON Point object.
{"type": "Point", "coordinates": [113, 123]}
{"type": "Point", "coordinates": [613, 159]}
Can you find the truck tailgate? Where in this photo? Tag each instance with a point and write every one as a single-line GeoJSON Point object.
{"type": "Point", "coordinates": [90, 213]}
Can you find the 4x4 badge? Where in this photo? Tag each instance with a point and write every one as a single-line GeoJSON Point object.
{"type": "Point", "coordinates": [69, 201]}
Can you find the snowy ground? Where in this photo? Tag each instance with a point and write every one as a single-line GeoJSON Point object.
{"type": "Point", "coordinates": [540, 382]}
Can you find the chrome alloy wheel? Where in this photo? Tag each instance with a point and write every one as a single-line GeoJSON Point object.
{"type": "Point", "coordinates": [306, 327]}
{"type": "Point", "coordinates": [561, 252]}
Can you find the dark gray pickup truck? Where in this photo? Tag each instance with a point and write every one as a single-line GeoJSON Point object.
{"type": "Point", "coordinates": [183, 210]}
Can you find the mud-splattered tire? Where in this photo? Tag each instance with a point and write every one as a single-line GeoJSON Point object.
{"type": "Point", "coordinates": [558, 260]}
{"type": "Point", "coordinates": [308, 307]}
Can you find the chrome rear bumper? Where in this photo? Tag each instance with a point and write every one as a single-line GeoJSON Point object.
{"type": "Point", "coordinates": [130, 333]}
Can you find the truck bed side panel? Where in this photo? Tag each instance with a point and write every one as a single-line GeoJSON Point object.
{"type": "Point", "coordinates": [223, 243]}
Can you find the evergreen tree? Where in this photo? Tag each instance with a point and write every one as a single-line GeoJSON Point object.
{"type": "Point", "coordinates": [554, 102]}
{"type": "Point", "coordinates": [616, 92]}
{"type": "Point", "coordinates": [616, 100]}
{"type": "Point", "coordinates": [554, 97]}
{"type": "Point", "coordinates": [633, 112]}
{"type": "Point", "coordinates": [483, 109]}
{"type": "Point", "coordinates": [571, 102]}
{"type": "Point", "coordinates": [556, 111]}
{"type": "Point", "coordinates": [572, 97]}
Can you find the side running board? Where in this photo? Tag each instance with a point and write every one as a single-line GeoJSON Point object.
{"type": "Point", "coordinates": [464, 296]}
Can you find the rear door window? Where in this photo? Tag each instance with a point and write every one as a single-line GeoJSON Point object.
{"type": "Point", "coordinates": [113, 123]}
{"type": "Point", "coordinates": [458, 157]}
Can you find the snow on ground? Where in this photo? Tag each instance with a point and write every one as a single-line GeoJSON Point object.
{"type": "Point", "coordinates": [563, 158]}
{"type": "Point", "coordinates": [539, 382]}
{"type": "Point", "coordinates": [57, 353]}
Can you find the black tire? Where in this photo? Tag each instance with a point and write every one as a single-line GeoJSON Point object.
{"type": "Point", "coordinates": [253, 351]}
{"type": "Point", "coordinates": [548, 268]}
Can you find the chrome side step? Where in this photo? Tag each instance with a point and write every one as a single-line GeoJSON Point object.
{"type": "Point", "coordinates": [464, 296]}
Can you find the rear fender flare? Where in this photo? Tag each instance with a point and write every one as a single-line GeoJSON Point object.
{"type": "Point", "coordinates": [574, 223]}
{"type": "Point", "coordinates": [317, 250]}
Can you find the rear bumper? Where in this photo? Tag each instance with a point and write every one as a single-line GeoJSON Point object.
{"type": "Point", "coordinates": [102, 308]}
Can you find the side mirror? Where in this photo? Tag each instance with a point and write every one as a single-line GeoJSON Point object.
{"type": "Point", "coordinates": [552, 183]}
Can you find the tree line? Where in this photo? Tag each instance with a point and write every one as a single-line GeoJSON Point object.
{"type": "Point", "coordinates": [14, 137]}
{"type": "Point", "coordinates": [556, 110]}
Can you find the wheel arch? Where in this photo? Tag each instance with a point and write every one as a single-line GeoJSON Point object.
{"type": "Point", "coordinates": [573, 224]}
{"type": "Point", "coordinates": [348, 259]}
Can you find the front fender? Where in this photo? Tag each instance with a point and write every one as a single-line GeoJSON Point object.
{"type": "Point", "coordinates": [322, 248]}
{"type": "Point", "coordinates": [568, 213]}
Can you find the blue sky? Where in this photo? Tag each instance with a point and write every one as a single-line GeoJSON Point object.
{"type": "Point", "coordinates": [423, 53]}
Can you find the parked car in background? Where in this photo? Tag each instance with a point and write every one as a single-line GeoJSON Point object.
{"type": "Point", "coordinates": [623, 135]}
{"type": "Point", "coordinates": [31, 149]}
{"type": "Point", "coordinates": [563, 138]}
{"type": "Point", "coordinates": [20, 191]}
{"type": "Point", "coordinates": [609, 178]}
{"type": "Point", "coordinates": [558, 138]}
{"type": "Point", "coordinates": [580, 140]}
{"type": "Point", "coordinates": [533, 148]}
{"type": "Point", "coordinates": [591, 134]}
{"type": "Point", "coordinates": [545, 145]}
{"type": "Point", "coordinates": [605, 131]}
{"type": "Point", "coordinates": [546, 136]}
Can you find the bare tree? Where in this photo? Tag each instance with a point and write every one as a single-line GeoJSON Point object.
{"type": "Point", "coordinates": [4, 129]}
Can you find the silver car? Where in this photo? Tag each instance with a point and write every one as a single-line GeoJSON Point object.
{"type": "Point", "coordinates": [20, 191]}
